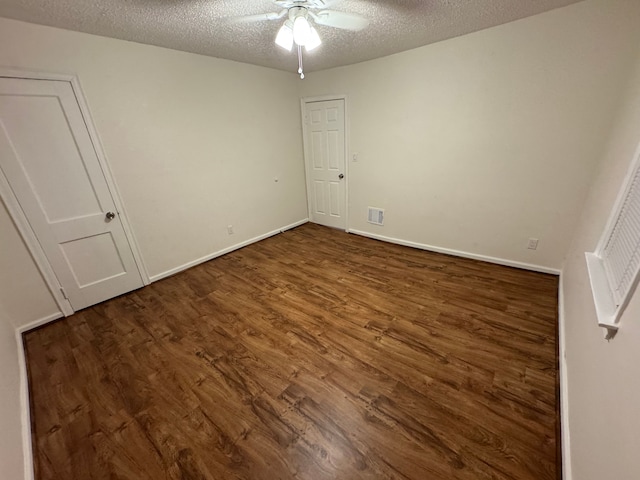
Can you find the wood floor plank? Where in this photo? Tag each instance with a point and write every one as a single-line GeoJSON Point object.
{"type": "Point", "coordinates": [310, 355]}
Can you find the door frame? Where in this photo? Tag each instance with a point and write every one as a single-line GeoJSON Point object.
{"type": "Point", "coordinates": [20, 219]}
{"type": "Point", "coordinates": [324, 98]}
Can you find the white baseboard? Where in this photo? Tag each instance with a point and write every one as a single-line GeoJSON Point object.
{"type": "Point", "coordinates": [211, 256]}
{"type": "Point", "coordinates": [564, 406]}
{"type": "Point", "coordinates": [459, 253]}
{"type": "Point", "coordinates": [25, 413]}
{"type": "Point", "coordinates": [24, 381]}
{"type": "Point", "coordinates": [39, 322]}
{"type": "Point", "coordinates": [564, 389]}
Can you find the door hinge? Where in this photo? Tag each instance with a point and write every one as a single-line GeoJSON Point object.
{"type": "Point", "coordinates": [64, 294]}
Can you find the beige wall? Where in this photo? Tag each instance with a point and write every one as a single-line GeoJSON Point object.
{"type": "Point", "coordinates": [194, 144]}
{"type": "Point", "coordinates": [11, 454]}
{"type": "Point", "coordinates": [24, 296]}
{"type": "Point", "coordinates": [480, 142]}
{"type": "Point", "coordinates": [474, 144]}
{"type": "Point", "coordinates": [603, 388]}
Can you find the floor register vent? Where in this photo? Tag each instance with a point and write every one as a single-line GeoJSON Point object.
{"type": "Point", "coordinates": [376, 216]}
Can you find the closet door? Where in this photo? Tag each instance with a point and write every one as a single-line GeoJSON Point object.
{"type": "Point", "coordinates": [48, 158]}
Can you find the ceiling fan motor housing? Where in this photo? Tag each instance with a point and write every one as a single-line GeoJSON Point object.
{"type": "Point", "coordinates": [305, 4]}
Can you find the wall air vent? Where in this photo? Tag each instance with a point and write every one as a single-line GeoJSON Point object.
{"type": "Point", "coordinates": [376, 216]}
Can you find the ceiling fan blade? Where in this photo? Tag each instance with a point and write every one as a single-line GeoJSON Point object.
{"type": "Point", "coordinates": [260, 17]}
{"type": "Point", "coordinates": [346, 21]}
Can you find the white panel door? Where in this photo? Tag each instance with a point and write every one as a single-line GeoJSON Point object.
{"type": "Point", "coordinates": [48, 158]}
{"type": "Point", "coordinates": [325, 162]}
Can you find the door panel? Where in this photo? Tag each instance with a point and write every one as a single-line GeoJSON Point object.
{"type": "Point", "coordinates": [318, 188]}
{"type": "Point", "coordinates": [325, 161]}
{"type": "Point", "coordinates": [44, 117]}
{"type": "Point", "coordinates": [93, 259]}
{"type": "Point", "coordinates": [48, 158]}
{"type": "Point", "coordinates": [334, 196]}
{"type": "Point", "coordinates": [317, 154]}
{"type": "Point", "coordinates": [333, 149]}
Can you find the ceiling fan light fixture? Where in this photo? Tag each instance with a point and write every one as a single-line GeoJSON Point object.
{"type": "Point", "coordinates": [301, 30]}
{"type": "Point", "coordinates": [284, 38]}
{"type": "Point", "coordinates": [313, 41]}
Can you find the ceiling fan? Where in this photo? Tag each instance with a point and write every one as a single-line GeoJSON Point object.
{"type": "Point", "coordinates": [298, 26]}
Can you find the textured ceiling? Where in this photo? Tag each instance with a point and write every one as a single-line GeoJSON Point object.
{"type": "Point", "coordinates": [204, 26]}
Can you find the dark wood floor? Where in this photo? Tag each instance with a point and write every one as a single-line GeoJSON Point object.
{"type": "Point", "coordinates": [311, 355]}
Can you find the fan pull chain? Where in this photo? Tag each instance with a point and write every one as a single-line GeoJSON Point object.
{"type": "Point", "coordinates": [300, 62]}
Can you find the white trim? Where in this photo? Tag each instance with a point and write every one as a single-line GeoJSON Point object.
{"type": "Point", "coordinates": [24, 379]}
{"type": "Point", "coordinates": [459, 253]}
{"type": "Point", "coordinates": [564, 387]}
{"type": "Point", "coordinates": [40, 322]}
{"type": "Point", "coordinates": [108, 175]}
{"type": "Point", "coordinates": [307, 186]}
{"type": "Point", "coordinates": [607, 312]}
{"type": "Point", "coordinates": [25, 414]}
{"type": "Point", "coordinates": [324, 98]}
{"type": "Point", "coordinates": [30, 240]}
{"type": "Point", "coordinates": [25, 410]}
{"type": "Point", "coordinates": [34, 74]}
{"type": "Point", "coordinates": [303, 109]}
{"type": "Point", "coordinates": [219, 253]}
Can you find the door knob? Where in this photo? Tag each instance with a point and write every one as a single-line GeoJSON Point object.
{"type": "Point", "coordinates": [341, 176]}
{"type": "Point", "coordinates": [110, 216]}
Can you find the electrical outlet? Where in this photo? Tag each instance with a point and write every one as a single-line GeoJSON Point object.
{"type": "Point", "coordinates": [533, 244]}
{"type": "Point", "coordinates": [230, 229]}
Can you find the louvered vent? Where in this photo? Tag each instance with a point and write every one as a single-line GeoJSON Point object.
{"type": "Point", "coordinates": [621, 254]}
{"type": "Point", "coordinates": [376, 216]}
